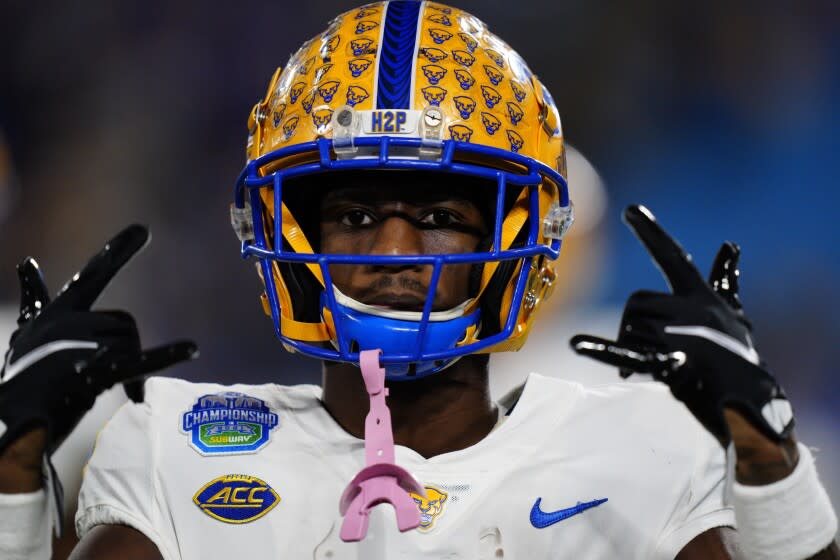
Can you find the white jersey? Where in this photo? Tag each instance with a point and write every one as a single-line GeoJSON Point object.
{"type": "Point", "coordinates": [227, 472]}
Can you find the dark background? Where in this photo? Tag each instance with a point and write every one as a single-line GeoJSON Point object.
{"type": "Point", "coordinates": [720, 116]}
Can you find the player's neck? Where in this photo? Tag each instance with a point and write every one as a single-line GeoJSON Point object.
{"type": "Point", "coordinates": [444, 412]}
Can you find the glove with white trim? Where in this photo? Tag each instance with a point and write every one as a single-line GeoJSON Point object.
{"type": "Point", "coordinates": [64, 355]}
{"type": "Point", "coordinates": [696, 339]}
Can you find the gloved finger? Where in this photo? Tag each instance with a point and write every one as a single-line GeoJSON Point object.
{"type": "Point", "coordinates": [611, 352]}
{"type": "Point", "coordinates": [34, 295]}
{"type": "Point", "coordinates": [109, 368]}
{"type": "Point", "coordinates": [724, 274]}
{"type": "Point", "coordinates": [667, 254]}
{"type": "Point", "coordinates": [628, 358]}
{"type": "Point", "coordinates": [86, 286]}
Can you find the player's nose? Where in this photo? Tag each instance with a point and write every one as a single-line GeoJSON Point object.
{"type": "Point", "coordinates": [397, 236]}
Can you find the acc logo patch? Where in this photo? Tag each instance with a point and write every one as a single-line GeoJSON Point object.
{"type": "Point", "coordinates": [431, 507]}
{"type": "Point", "coordinates": [229, 423]}
{"type": "Point", "coordinates": [236, 498]}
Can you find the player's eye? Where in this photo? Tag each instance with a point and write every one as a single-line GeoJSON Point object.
{"type": "Point", "coordinates": [356, 218]}
{"type": "Point", "coordinates": [439, 217]}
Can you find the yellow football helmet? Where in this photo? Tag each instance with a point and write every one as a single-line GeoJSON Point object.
{"type": "Point", "coordinates": [406, 85]}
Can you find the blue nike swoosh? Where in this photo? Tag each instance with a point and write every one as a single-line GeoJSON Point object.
{"type": "Point", "coordinates": [541, 519]}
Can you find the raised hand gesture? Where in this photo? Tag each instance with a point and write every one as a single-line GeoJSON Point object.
{"type": "Point", "coordinates": [695, 339]}
{"type": "Point", "coordinates": [64, 354]}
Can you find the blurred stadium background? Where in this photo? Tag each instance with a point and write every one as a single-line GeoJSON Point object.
{"type": "Point", "coordinates": [720, 116]}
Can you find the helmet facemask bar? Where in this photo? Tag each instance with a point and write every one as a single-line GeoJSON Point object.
{"type": "Point", "coordinates": [267, 244]}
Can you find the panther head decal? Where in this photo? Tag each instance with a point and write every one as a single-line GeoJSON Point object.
{"type": "Point", "coordinates": [491, 96]}
{"type": "Point", "coordinates": [356, 94]}
{"type": "Point", "coordinates": [321, 118]}
{"type": "Point", "coordinates": [439, 36]}
{"type": "Point", "coordinates": [434, 95]}
{"type": "Point", "coordinates": [434, 73]}
{"type": "Point", "coordinates": [464, 78]}
{"type": "Point", "coordinates": [327, 90]}
{"type": "Point", "coordinates": [289, 127]}
{"type": "Point", "coordinates": [518, 91]}
{"type": "Point", "coordinates": [307, 101]}
{"type": "Point", "coordinates": [432, 54]}
{"type": "Point", "coordinates": [358, 65]}
{"type": "Point", "coordinates": [494, 75]}
{"type": "Point", "coordinates": [295, 92]}
{"type": "Point", "coordinates": [465, 105]}
{"type": "Point", "coordinates": [365, 26]}
{"type": "Point", "coordinates": [491, 123]}
{"type": "Point", "coordinates": [440, 19]}
{"type": "Point", "coordinates": [460, 132]}
{"type": "Point", "coordinates": [497, 58]}
{"type": "Point", "coordinates": [469, 41]}
{"type": "Point", "coordinates": [463, 58]}
{"type": "Point", "coordinates": [362, 46]}
{"type": "Point", "coordinates": [516, 141]}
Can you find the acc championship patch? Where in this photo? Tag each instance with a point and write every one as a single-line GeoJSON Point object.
{"type": "Point", "coordinates": [236, 498]}
{"type": "Point", "coordinates": [228, 423]}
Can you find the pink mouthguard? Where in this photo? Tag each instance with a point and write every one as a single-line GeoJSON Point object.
{"type": "Point", "coordinates": [381, 480]}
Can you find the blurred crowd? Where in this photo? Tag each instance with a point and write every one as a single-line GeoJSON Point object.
{"type": "Point", "coordinates": [720, 116]}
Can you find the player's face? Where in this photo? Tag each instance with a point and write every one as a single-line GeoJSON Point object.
{"type": "Point", "coordinates": [401, 214]}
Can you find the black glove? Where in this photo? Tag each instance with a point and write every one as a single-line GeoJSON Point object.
{"type": "Point", "coordinates": [63, 354]}
{"type": "Point", "coordinates": [696, 339]}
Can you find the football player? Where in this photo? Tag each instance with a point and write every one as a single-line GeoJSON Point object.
{"type": "Point", "coordinates": [405, 200]}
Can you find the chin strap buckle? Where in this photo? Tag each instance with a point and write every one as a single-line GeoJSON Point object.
{"type": "Point", "coordinates": [381, 480]}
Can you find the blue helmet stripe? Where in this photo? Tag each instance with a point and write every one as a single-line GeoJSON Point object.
{"type": "Point", "coordinates": [396, 57]}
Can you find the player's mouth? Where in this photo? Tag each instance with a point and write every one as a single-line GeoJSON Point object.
{"type": "Point", "coordinates": [397, 302]}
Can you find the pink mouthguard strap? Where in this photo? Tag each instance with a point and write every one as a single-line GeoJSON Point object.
{"type": "Point", "coordinates": [381, 480]}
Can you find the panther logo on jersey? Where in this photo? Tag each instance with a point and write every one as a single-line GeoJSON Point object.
{"type": "Point", "coordinates": [358, 66]}
{"type": "Point", "coordinates": [464, 78]}
{"type": "Point", "coordinates": [228, 423]}
{"type": "Point", "coordinates": [434, 95]}
{"type": "Point", "coordinates": [362, 46]}
{"type": "Point", "coordinates": [434, 73]}
{"type": "Point", "coordinates": [491, 123]}
{"type": "Point", "coordinates": [494, 75]}
{"type": "Point", "coordinates": [431, 507]}
{"type": "Point", "coordinates": [327, 90]}
{"type": "Point", "coordinates": [465, 105]}
{"type": "Point", "coordinates": [460, 132]}
{"type": "Point", "coordinates": [356, 94]}
{"type": "Point", "coordinates": [463, 58]}
{"type": "Point", "coordinates": [439, 36]}
{"type": "Point", "coordinates": [432, 54]}
{"type": "Point", "coordinates": [469, 41]}
{"type": "Point", "coordinates": [440, 19]}
{"type": "Point", "coordinates": [491, 96]}
{"type": "Point", "coordinates": [365, 26]}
